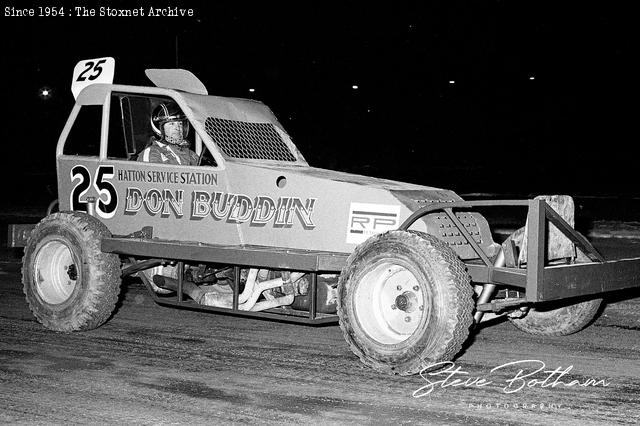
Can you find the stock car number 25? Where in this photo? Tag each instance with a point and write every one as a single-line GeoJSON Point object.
{"type": "Point", "coordinates": [107, 201]}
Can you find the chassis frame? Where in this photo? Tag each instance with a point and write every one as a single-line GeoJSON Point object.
{"type": "Point", "coordinates": [540, 283]}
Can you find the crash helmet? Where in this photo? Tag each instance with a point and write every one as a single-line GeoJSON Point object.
{"type": "Point", "coordinates": [167, 112]}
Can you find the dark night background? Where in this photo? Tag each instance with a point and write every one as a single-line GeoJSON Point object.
{"type": "Point", "coordinates": [495, 130]}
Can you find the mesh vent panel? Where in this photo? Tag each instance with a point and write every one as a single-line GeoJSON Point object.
{"type": "Point", "coordinates": [256, 141]}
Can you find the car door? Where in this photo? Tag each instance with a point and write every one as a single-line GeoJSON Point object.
{"type": "Point", "coordinates": [99, 171]}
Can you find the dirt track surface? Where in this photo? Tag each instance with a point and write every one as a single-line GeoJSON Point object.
{"type": "Point", "coordinates": [151, 364]}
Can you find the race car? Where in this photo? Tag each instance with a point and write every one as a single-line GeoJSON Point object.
{"type": "Point", "coordinates": [250, 228]}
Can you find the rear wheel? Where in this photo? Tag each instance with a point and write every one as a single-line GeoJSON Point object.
{"type": "Point", "coordinates": [556, 318]}
{"type": "Point", "coordinates": [553, 319]}
{"type": "Point", "coordinates": [69, 283]}
{"type": "Point", "coordinates": [404, 301]}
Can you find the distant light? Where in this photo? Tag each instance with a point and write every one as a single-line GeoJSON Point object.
{"type": "Point", "coordinates": [354, 87]}
{"type": "Point", "coordinates": [452, 82]}
{"type": "Point", "coordinates": [252, 90]}
{"type": "Point", "coordinates": [45, 93]}
{"type": "Point", "coordinates": [532, 78]}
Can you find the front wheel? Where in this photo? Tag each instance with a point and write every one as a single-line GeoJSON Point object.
{"type": "Point", "coordinates": [69, 283]}
{"type": "Point", "coordinates": [404, 301]}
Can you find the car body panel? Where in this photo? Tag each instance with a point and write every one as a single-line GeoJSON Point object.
{"type": "Point", "coordinates": [249, 200]}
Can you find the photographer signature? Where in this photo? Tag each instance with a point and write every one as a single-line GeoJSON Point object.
{"type": "Point", "coordinates": [530, 373]}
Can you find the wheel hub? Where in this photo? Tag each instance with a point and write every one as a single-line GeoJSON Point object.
{"type": "Point", "coordinates": [72, 272]}
{"type": "Point", "coordinates": [407, 302]}
{"type": "Point", "coordinates": [389, 303]}
{"type": "Point", "coordinates": [56, 273]}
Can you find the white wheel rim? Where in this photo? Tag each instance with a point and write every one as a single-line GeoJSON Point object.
{"type": "Point", "coordinates": [55, 278]}
{"type": "Point", "coordinates": [379, 303]}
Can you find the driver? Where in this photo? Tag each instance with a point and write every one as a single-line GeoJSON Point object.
{"type": "Point", "coordinates": [169, 146]}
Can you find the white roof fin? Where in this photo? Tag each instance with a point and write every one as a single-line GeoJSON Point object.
{"type": "Point", "coordinates": [177, 79]}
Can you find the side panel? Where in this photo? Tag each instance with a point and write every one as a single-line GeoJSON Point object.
{"type": "Point", "coordinates": [290, 208]}
{"type": "Point", "coordinates": [130, 195]}
{"type": "Point", "coordinates": [319, 210]}
{"type": "Point", "coordinates": [242, 204]}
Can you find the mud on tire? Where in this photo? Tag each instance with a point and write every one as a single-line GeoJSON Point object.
{"type": "Point", "coordinates": [404, 301]}
{"type": "Point", "coordinates": [69, 283]}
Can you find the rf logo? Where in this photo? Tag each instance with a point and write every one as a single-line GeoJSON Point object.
{"type": "Point", "coordinates": [366, 220]}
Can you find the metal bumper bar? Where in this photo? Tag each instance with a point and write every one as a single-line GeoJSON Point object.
{"type": "Point", "coordinates": [542, 283]}
{"type": "Point", "coordinates": [564, 281]}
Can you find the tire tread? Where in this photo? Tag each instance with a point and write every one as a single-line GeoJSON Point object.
{"type": "Point", "coordinates": [451, 273]}
{"type": "Point", "coordinates": [103, 280]}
